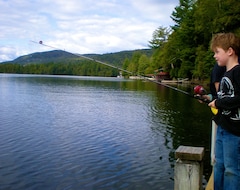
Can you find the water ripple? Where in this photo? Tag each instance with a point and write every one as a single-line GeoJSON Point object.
{"type": "Point", "coordinates": [72, 133]}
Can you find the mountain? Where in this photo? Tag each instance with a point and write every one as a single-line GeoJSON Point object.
{"type": "Point", "coordinates": [42, 57]}
{"type": "Point", "coordinates": [58, 56]}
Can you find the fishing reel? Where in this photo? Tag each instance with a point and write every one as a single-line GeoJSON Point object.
{"type": "Point", "coordinates": [199, 91]}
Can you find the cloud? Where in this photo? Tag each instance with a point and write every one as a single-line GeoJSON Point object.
{"type": "Point", "coordinates": [80, 26]}
{"type": "Point", "coordinates": [7, 53]}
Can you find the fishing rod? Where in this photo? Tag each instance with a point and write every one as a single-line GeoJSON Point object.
{"type": "Point", "coordinates": [199, 92]}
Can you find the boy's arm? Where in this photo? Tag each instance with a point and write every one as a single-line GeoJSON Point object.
{"type": "Point", "coordinates": [228, 103]}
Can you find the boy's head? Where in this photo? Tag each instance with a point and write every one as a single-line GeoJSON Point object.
{"type": "Point", "coordinates": [226, 41]}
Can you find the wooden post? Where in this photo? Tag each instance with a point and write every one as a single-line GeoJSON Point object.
{"type": "Point", "coordinates": [188, 168]}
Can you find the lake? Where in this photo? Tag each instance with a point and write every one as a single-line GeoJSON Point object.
{"type": "Point", "coordinates": [88, 133]}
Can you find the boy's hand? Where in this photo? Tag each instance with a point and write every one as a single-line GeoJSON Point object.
{"type": "Point", "coordinates": [212, 104]}
{"type": "Point", "coordinates": [202, 97]}
{"type": "Point", "coordinates": [206, 97]}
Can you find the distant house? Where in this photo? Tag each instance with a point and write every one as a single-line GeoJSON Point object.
{"type": "Point", "coordinates": [162, 76]}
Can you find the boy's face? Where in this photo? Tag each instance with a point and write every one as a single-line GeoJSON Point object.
{"type": "Point", "coordinates": [221, 56]}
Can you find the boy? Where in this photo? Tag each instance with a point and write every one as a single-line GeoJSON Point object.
{"type": "Point", "coordinates": [226, 48]}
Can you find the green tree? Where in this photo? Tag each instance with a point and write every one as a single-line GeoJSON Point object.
{"type": "Point", "coordinates": [133, 65]}
{"type": "Point", "coordinates": [179, 51]}
{"type": "Point", "coordinates": [143, 64]}
{"type": "Point", "coordinates": [159, 37]}
{"type": "Point", "coordinates": [228, 17]}
{"type": "Point", "coordinates": [181, 12]}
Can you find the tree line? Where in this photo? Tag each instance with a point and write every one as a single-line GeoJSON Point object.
{"type": "Point", "coordinates": [82, 68]}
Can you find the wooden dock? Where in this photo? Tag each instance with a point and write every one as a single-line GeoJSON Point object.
{"type": "Point", "coordinates": [210, 183]}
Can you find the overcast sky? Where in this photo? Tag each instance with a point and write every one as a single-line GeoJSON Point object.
{"type": "Point", "coordinates": [80, 26]}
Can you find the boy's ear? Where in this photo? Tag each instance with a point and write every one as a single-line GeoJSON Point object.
{"type": "Point", "coordinates": [230, 51]}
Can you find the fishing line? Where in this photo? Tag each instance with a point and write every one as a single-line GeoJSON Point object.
{"type": "Point", "coordinates": [143, 77]}
{"type": "Point", "coordinates": [198, 97]}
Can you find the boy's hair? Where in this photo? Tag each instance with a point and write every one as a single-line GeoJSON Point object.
{"type": "Point", "coordinates": [225, 41]}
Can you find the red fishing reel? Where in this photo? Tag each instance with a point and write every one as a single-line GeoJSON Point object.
{"type": "Point", "coordinates": [199, 90]}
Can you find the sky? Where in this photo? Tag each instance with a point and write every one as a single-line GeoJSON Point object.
{"type": "Point", "coordinates": [80, 26]}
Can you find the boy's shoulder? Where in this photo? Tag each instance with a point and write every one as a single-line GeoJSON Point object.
{"type": "Point", "coordinates": [235, 68]}
{"type": "Point", "coordinates": [234, 73]}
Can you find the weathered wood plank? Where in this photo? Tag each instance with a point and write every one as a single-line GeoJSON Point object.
{"type": "Point", "coordinates": [190, 153]}
{"type": "Point", "coordinates": [187, 175]}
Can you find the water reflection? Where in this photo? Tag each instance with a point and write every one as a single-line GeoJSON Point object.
{"type": "Point", "coordinates": [93, 132]}
{"type": "Point", "coordinates": [185, 122]}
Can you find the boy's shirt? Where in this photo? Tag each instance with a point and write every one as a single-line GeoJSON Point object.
{"type": "Point", "coordinates": [228, 101]}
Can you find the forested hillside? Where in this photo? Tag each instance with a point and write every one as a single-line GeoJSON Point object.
{"type": "Point", "coordinates": [59, 62]}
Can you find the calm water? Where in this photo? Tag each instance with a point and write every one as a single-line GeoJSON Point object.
{"type": "Point", "coordinates": [88, 133]}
